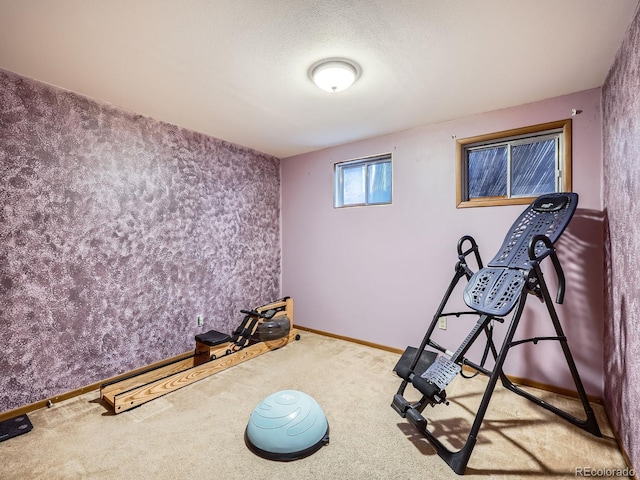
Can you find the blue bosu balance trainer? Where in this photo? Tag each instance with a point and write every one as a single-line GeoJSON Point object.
{"type": "Point", "coordinates": [495, 293]}
{"type": "Point", "coordinates": [287, 425]}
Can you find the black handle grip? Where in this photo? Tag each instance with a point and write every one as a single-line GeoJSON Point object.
{"type": "Point", "coordinates": [462, 254]}
{"type": "Point", "coordinates": [549, 251]}
{"type": "Point", "coordinates": [268, 314]}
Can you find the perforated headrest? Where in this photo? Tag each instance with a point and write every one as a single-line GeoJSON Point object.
{"type": "Point", "coordinates": [547, 215]}
{"type": "Point", "coordinates": [496, 288]}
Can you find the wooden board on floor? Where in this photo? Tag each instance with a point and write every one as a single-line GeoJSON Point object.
{"type": "Point", "coordinates": [108, 392]}
{"type": "Point", "coordinates": [137, 395]}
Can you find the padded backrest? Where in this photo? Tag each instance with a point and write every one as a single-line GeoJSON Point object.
{"type": "Point", "coordinates": [547, 215]}
{"type": "Point", "coordinates": [495, 289]}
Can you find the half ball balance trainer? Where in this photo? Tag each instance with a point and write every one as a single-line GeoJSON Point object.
{"type": "Point", "coordinates": [287, 425]}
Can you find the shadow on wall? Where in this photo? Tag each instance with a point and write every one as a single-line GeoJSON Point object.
{"type": "Point", "coordinates": [581, 314]}
{"type": "Point", "coordinates": [618, 343]}
{"type": "Point", "coordinates": [615, 363]}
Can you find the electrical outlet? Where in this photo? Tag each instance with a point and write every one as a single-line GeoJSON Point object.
{"type": "Point", "coordinates": [442, 323]}
{"type": "Point", "coordinates": [200, 321]}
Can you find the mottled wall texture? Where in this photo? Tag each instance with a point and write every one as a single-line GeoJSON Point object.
{"type": "Point", "coordinates": [116, 231]}
{"type": "Point", "coordinates": [621, 140]}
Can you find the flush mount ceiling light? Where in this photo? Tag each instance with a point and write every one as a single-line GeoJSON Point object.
{"type": "Point", "coordinates": [334, 74]}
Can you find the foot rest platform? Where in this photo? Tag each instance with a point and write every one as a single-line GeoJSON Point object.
{"type": "Point", "coordinates": [441, 372]}
{"type": "Point", "coordinates": [435, 379]}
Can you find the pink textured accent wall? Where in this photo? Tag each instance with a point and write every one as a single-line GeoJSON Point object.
{"type": "Point", "coordinates": [378, 273]}
{"type": "Point", "coordinates": [621, 138]}
{"type": "Point", "coordinates": [116, 231]}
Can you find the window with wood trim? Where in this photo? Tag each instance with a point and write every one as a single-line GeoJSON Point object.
{"type": "Point", "coordinates": [366, 181]}
{"type": "Point", "coordinates": [514, 166]}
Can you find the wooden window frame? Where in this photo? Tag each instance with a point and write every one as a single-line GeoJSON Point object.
{"type": "Point", "coordinates": [462, 200]}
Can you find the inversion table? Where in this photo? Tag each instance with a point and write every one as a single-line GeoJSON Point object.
{"type": "Point", "coordinates": [493, 292]}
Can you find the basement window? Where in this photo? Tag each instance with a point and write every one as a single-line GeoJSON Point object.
{"type": "Point", "coordinates": [365, 181]}
{"type": "Point", "coordinates": [515, 166]}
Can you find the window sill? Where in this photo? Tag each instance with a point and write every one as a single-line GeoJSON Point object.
{"type": "Point", "coordinates": [495, 202]}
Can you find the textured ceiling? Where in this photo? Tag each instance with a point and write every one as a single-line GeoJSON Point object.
{"type": "Point", "coordinates": [237, 69]}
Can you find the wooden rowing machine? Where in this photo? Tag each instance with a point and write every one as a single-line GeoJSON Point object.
{"type": "Point", "coordinates": [263, 329]}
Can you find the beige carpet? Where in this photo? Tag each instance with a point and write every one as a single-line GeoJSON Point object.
{"type": "Point", "coordinates": [197, 432]}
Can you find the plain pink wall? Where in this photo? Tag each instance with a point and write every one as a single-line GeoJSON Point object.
{"type": "Point", "coordinates": [378, 273]}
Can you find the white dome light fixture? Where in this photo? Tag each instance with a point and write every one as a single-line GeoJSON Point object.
{"type": "Point", "coordinates": [334, 74]}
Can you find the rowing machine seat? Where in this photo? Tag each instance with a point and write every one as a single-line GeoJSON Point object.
{"type": "Point", "coordinates": [213, 338]}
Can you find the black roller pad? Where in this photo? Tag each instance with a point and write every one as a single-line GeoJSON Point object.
{"type": "Point", "coordinates": [14, 426]}
{"type": "Point", "coordinates": [425, 361]}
